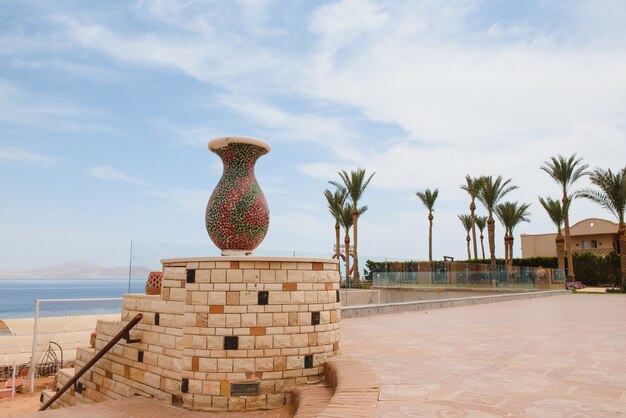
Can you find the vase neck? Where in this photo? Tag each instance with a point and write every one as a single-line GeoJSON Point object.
{"type": "Point", "coordinates": [240, 154]}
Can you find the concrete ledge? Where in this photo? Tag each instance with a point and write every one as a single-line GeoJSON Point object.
{"type": "Point", "coordinates": [386, 308]}
{"type": "Point", "coordinates": [356, 389]}
{"type": "Point", "coordinates": [351, 390]}
{"type": "Point", "coordinates": [310, 401]}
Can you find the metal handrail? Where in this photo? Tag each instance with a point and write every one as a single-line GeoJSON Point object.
{"type": "Point", "coordinates": [94, 360]}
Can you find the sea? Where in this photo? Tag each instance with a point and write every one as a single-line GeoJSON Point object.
{"type": "Point", "coordinates": [17, 296]}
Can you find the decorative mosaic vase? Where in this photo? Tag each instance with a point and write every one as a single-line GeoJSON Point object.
{"type": "Point", "coordinates": [237, 216]}
{"type": "Point", "coordinates": [153, 284]}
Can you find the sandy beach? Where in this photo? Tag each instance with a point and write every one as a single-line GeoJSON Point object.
{"type": "Point", "coordinates": [16, 340]}
{"type": "Point", "coordinates": [23, 402]}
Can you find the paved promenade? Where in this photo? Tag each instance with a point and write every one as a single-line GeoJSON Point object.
{"type": "Point", "coordinates": [562, 356]}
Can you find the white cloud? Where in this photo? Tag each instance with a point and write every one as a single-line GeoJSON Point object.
{"type": "Point", "coordinates": [289, 125]}
{"type": "Point", "coordinates": [17, 155]}
{"type": "Point", "coordinates": [192, 135]}
{"type": "Point", "coordinates": [18, 105]}
{"type": "Point", "coordinates": [188, 201]}
{"type": "Point", "coordinates": [73, 69]}
{"type": "Point", "coordinates": [197, 47]}
{"type": "Point", "coordinates": [113, 174]}
{"type": "Point", "coordinates": [319, 170]}
{"type": "Point", "coordinates": [346, 19]}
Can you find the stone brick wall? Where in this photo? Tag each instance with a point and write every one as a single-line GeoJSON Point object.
{"type": "Point", "coordinates": [261, 325]}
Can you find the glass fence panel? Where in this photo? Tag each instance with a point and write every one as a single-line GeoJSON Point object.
{"type": "Point", "coordinates": [558, 276]}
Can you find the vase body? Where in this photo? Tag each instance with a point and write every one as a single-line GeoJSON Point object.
{"type": "Point", "coordinates": [237, 215]}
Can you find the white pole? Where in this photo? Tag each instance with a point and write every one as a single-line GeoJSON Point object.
{"type": "Point", "coordinates": [13, 385]}
{"type": "Point", "coordinates": [130, 264]}
{"type": "Point", "coordinates": [33, 359]}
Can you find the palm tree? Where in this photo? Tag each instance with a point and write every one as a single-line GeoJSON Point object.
{"type": "Point", "coordinates": [346, 220]}
{"type": "Point", "coordinates": [504, 212]}
{"type": "Point", "coordinates": [565, 171]}
{"type": "Point", "coordinates": [510, 215]}
{"type": "Point", "coordinates": [466, 220]}
{"type": "Point", "coordinates": [428, 198]}
{"type": "Point", "coordinates": [481, 223]}
{"type": "Point", "coordinates": [336, 201]}
{"type": "Point", "coordinates": [472, 187]}
{"type": "Point", "coordinates": [491, 191]}
{"type": "Point", "coordinates": [611, 195]}
{"type": "Point", "coordinates": [355, 183]}
{"type": "Point", "coordinates": [555, 212]}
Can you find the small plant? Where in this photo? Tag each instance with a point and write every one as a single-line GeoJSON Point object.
{"type": "Point", "coordinates": [575, 286]}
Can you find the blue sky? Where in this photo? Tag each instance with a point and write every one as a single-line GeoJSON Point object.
{"type": "Point", "coordinates": [106, 109]}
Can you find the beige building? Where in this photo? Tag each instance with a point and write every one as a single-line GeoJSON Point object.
{"type": "Point", "coordinates": [595, 235]}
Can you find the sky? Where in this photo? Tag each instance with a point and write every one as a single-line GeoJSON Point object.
{"type": "Point", "coordinates": [106, 109]}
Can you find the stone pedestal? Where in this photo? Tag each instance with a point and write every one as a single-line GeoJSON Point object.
{"type": "Point", "coordinates": [226, 333]}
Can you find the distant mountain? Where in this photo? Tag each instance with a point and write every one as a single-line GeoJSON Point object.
{"type": "Point", "coordinates": [79, 269]}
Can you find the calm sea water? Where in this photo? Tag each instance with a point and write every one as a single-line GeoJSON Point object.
{"type": "Point", "coordinates": [17, 297]}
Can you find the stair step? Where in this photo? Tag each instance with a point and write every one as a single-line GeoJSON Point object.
{"type": "Point", "coordinates": [59, 403]}
{"type": "Point", "coordinates": [64, 375]}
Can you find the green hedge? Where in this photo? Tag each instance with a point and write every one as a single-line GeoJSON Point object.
{"type": "Point", "coordinates": [591, 269]}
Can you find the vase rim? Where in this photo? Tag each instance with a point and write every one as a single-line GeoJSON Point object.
{"type": "Point", "coordinates": [223, 141]}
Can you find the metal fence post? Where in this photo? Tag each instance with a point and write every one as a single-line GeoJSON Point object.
{"type": "Point", "coordinates": [33, 360]}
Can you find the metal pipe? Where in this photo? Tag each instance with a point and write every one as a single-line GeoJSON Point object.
{"type": "Point", "coordinates": [94, 360]}
{"type": "Point", "coordinates": [60, 349]}
{"type": "Point", "coordinates": [14, 381]}
{"type": "Point", "coordinates": [33, 359]}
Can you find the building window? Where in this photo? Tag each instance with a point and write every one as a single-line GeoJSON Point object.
{"type": "Point", "coordinates": [588, 244]}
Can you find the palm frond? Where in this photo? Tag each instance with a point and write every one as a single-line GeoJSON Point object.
{"type": "Point", "coordinates": [511, 214]}
{"type": "Point", "coordinates": [335, 201]}
{"type": "Point", "coordinates": [481, 222]}
{"type": "Point", "coordinates": [610, 191]}
{"type": "Point", "coordinates": [493, 190]}
{"type": "Point", "coordinates": [554, 210]}
{"type": "Point", "coordinates": [428, 198]}
{"type": "Point", "coordinates": [466, 220]}
{"type": "Point", "coordinates": [355, 183]}
{"type": "Point", "coordinates": [565, 171]}
{"type": "Point", "coordinates": [471, 186]}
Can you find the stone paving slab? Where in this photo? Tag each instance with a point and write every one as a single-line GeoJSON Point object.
{"type": "Point", "coordinates": [561, 356]}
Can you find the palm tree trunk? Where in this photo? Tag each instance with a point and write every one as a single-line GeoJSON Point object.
{"type": "Point", "coordinates": [622, 252]}
{"type": "Point", "coordinates": [568, 242]}
{"type": "Point", "coordinates": [560, 257]}
{"type": "Point", "coordinates": [482, 244]}
{"type": "Point", "coordinates": [472, 213]}
{"type": "Point", "coordinates": [347, 249]}
{"type": "Point", "coordinates": [337, 240]}
{"type": "Point", "coordinates": [491, 235]}
{"type": "Point", "coordinates": [430, 237]}
{"type": "Point", "coordinates": [469, 254]}
{"type": "Point", "coordinates": [506, 249]}
{"type": "Point", "coordinates": [511, 240]}
{"type": "Point", "coordinates": [355, 218]}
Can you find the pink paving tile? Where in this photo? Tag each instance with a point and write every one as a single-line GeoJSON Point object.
{"type": "Point", "coordinates": [546, 357]}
